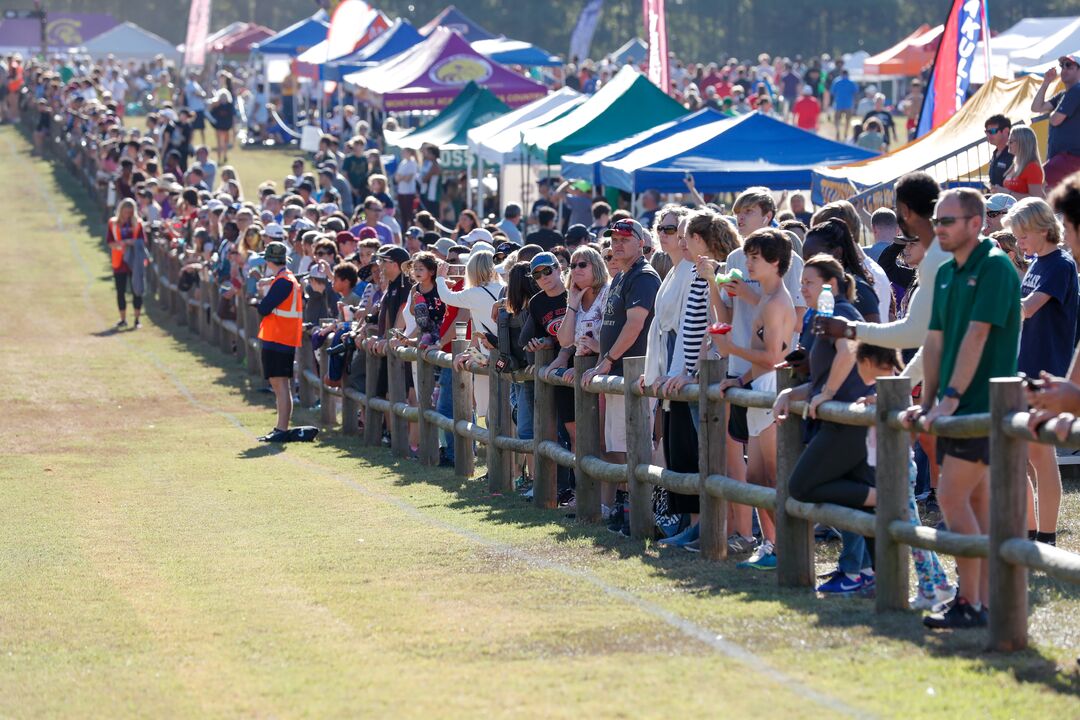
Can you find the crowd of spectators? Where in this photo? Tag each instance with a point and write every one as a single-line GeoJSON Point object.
{"type": "Point", "coordinates": [957, 287]}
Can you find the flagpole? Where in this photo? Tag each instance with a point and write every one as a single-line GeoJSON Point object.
{"type": "Point", "coordinates": [986, 37]}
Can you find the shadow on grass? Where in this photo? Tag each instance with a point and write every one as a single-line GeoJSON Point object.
{"type": "Point", "coordinates": [261, 450]}
{"type": "Point", "coordinates": [688, 571]}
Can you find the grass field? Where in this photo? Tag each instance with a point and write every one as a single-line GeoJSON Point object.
{"type": "Point", "coordinates": [156, 561]}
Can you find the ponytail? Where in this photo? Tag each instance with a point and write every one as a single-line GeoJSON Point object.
{"type": "Point", "coordinates": [848, 287]}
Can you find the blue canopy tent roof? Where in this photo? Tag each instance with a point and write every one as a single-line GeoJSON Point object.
{"type": "Point", "coordinates": [515, 52]}
{"type": "Point", "coordinates": [454, 19]}
{"type": "Point", "coordinates": [729, 156]}
{"type": "Point", "coordinates": [400, 37]}
{"type": "Point", "coordinates": [586, 165]}
{"type": "Point", "coordinates": [296, 38]}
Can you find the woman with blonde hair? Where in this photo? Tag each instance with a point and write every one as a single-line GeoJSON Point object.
{"type": "Point", "coordinates": [1047, 338]}
{"type": "Point", "coordinates": [126, 240]}
{"type": "Point", "coordinates": [1025, 178]}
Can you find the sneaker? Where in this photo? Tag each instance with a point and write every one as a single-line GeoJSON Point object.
{"type": "Point", "coordinates": [840, 584]}
{"type": "Point", "coordinates": [959, 616]}
{"type": "Point", "coordinates": [738, 544]}
{"type": "Point", "coordinates": [869, 580]}
{"type": "Point", "coordinates": [693, 546]}
{"type": "Point", "coordinates": [764, 558]}
{"type": "Point", "coordinates": [935, 603]}
{"type": "Point", "coordinates": [606, 512]}
{"type": "Point", "coordinates": [528, 494]}
{"type": "Point", "coordinates": [275, 436]}
{"type": "Point", "coordinates": [618, 518]}
{"type": "Point", "coordinates": [566, 496]}
{"type": "Point", "coordinates": [684, 538]}
{"type": "Point", "coordinates": [122, 324]}
{"type": "Point", "coordinates": [137, 325]}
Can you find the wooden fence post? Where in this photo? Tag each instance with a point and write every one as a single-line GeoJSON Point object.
{"type": "Point", "coordinates": [638, 450]}
{"type": "Point", "coordinates": [307, 362]}
{"type": "Point", "coordinates": [1008, 519]}
{"type": "Point", "coordinates": [399, 426]}
{"type": "Point", "coordinates": [586, 442]}
{"type": "Point", "coordinates": [425, 390]}
{"type": "Point", "coordinates": [350, 409]}
{"type": "Point", "coordinates": [373, 419]}
{"type": "Point", "coordinates": [327, 409]}
{"type": "Point", "coordinates": [500, 463]}
{"type": "Point", "coordinates": [250, 317]}
{"type": "Point", "coordinates": [890, 557]}
{"type": "Point", "coordinates": [464, 458]}
{"type": "Point", "coordinates": [794, 536]}
{"type": "Point", "coordinates": [712, 459]}
{"type": "Point", "coordinates": [545, 484]}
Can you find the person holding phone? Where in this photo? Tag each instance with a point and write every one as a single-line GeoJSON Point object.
{"type": "Point", "coordinates": [280, 333]}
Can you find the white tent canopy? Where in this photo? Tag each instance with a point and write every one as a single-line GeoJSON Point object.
{"type": "Point", "coordinates": [499, 141]}
{"type": "Point", "coordinates": [1051, 47]}
{"type": "Point", "coordinates": [1018, 39]}
{"type": "Point", "coordinates": [128, 41]}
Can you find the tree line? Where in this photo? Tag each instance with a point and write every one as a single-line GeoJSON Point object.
{"type": "Point", "coordinates": [698, 30]}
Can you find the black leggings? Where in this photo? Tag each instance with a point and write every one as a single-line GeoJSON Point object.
{"type": "Point", "coordinates": [680, 445]}
{"type": "Point", "coordinates": [121, 279]}
{"type": "Point", "coordinates": [833, 467]}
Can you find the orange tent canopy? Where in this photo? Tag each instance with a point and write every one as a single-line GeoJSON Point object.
{"type": "Point", "coordinates": [909, 56]}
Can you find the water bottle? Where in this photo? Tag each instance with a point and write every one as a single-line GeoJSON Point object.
{"type": "Point", "coordinates": [826, 303]}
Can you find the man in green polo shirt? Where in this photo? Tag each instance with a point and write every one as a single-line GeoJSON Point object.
{"type": "Point", "coordinates": [974, 336]}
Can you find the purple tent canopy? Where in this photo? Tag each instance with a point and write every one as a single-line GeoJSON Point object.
{"type": "Point", "coordinates": [432, 73]}
{"type": "Point", "coordinates": [63, 30]}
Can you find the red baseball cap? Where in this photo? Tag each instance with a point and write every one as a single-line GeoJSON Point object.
{"type": "Point", "coordinates": [344, 236]}
{"type": "Point", "coordinates": [368, 233]}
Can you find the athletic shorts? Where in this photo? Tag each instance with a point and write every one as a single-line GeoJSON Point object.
{"type": "Point", "coordinates": [737, 425]}
{"type": "Point", "coordinates": [199, 123]}
{"type": "Point", "coordinates": [277, 363]}
{"type": "Point", "coordinates": [974, 450]}
{"type": "Point", "coordinates": [757, 419]}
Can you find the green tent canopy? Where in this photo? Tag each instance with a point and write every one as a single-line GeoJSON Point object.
{"type": "Point", "coordinates": [472, 107]}
{"type": "Point", "coordinates": [626, 105]}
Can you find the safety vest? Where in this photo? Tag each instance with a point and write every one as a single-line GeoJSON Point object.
{"type": "Point", "coordinates": [285, 323]}
{"type": "Point", "coordinates": [117, 256]}
{"type": "Point", "coordinates": [15, 83]}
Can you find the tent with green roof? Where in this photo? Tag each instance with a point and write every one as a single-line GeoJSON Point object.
{"type": "Point", "coordinates": [472, 107]}
{"type": "Point", "coordinates": [626, 105]}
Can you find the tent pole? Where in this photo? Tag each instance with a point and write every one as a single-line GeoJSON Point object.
{"type": "Point", "coordinates": [468, 181]}
{"type": "Point", "coordinates": [480, 187]}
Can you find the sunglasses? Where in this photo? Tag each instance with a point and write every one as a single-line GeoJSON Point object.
{"type": "Point", "coordinates": [324, 253]}
{"type": "Point", "coordinates": [622, 229]}
{"type": "Point", "coordinates": [668, 229]}
{"type": "Point", "coordinates": [542, 272]}
{"type": "Point", "coordinates": [580, 265]}
{"type": "Point", "coordinates": [1069, 65]}
{"type": "Point", "coordinates": [607, 258]}
{"type": "Point", "coordinates": [994, 131]}
{"type": "Point", "coordinates": [995, 213]}
{"type": "Point", "coordinates": [949, 220]}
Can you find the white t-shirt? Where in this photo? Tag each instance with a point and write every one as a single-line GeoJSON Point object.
{"type": "Point", "coordinates": [407, 168]}
{"type": "Point", "coordinates": [742, 317]}
{"type": "Point", "coordinates": [882, 287]}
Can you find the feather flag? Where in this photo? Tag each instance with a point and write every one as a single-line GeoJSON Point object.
{"type": "Point", "coordinates": [951, 73]}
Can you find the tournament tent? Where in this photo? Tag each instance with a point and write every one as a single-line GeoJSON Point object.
{"type": "Point", "coordinates": [128, 41]}
{"type": "Point", "coordinates": [586, 165]}
{"type": "Point", "coordinates": [633, 51]}
{"type": "Point", "coordinates": [1019, 37]}
{"type": "Point", "coordinates": [626, 105]}
{"type": "Point", "coordinates": [432, 73]}
{"type": "Point", "coordinates": [953, 150]}
{"type": "Point", "coordinates": [401, 36]}
{"type": "Point", "coordinates": [296, 38]}
{"type": "Point", "coordinates": [499, 141]}
{"type": "Point", "coordinates": [473, 106]}
{"type": "Point", "coordinates": [64, 30]}
{"type": "Point", "coordinates": [319, 54]}
{"type": "Point", "coordinates": [728, 155]}
{"type": "Point", "coordinates": [454, 19]}
{"type": "Point", "coordinates": [1066, 40]}
{"type": "Point", "coordinates": [515, 52]}
{"type": "Point", "coordinates": [240, 43]}
{"type": "Point", "coordinates": [908, 57]}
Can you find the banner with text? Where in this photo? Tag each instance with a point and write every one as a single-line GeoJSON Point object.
{"type": "Point", "coordinates": [656, 36]}
{"type": "Point", "coordinates": [198, 28]}
{"type": "Point", "coordinates": [951, 74]}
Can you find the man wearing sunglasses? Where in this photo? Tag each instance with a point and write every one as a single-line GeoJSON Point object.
{"type": "Point", "coordinates": [1063, 140]}
{"type": "Point", "coordinates": [996, 206]}
{"type": "Point", "coordinates": [997, 129]}
{"type": "Point", "coordinates": [628, 313]}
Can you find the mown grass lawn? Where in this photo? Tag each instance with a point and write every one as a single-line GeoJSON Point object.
{"type": "Point", "coordinates": [156, 561]}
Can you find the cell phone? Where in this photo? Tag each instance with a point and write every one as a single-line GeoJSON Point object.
{"type": "Point", "coordinates": [492, 338]}
{"type": "Point", "coordinates": [795, 357]}
{"type": "Point", "coordinates": [1033, 384]}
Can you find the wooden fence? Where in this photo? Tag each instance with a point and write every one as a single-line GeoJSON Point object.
{"type": "Point", "coordinates": [1010, 554]}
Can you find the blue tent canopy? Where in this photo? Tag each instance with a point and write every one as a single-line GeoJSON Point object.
{"type": "Point", "coordinates": [454, 19]}
{"type": "Point", "coordinates": [296, 38]}
{"type": "Point", "coordinates": [586, 165]}
{"type": "Point", "coordinates": [398, 38]}
{"type": "Point", "coordinates": [729, 156]}
{"type": "Point", "coordinates": [515, 52]}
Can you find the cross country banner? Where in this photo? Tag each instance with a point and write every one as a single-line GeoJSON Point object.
{"type": "Point", "coordinates": [581, 38]}
{"type": "Point", "coordinates": [656, 36]}
{"type": "Point", "coordinates": [352, 24]}
{"type": "Point", "coordinates": [198, 28]}
{"type": "Point", "coordinates": [950, 76]}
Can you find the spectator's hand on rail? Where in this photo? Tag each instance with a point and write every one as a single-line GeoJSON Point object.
{"type": "Point", "coordinates": [728, 384]}
{"type": "Point", "coordinates": [1055, 395]}
{"type": "Point", "coordinates": [484, 341]}
{"type": "Point", "coordinates": [568, 376]}
{"type": "Point", "coordinates": [815, 403]}
{"type": "Point", "coordinates": [945, 408]}
{"type": "Point", "coordinates": [1062, 422]}
{"type": "Point", "coordinates": [911, 417]}
{"type": "Point", "coordinates": [781, 407]}
{"type": "Point", "coordinates": [674, 384]}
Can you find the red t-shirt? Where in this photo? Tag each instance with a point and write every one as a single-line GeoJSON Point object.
{"type": "Point", "coordinates": [807, 108]}
{"type": "Point", "coordinates": [450, 317]}
{"type": "Point", "coordinates": [1031, 175]}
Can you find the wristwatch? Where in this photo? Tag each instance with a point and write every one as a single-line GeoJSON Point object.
{"type": "Point", "coordinates": [607, 356]}
{"type": "Point", "coordinates": [849, 331]}
{"type": "Point", "coordinates": [951, 392]}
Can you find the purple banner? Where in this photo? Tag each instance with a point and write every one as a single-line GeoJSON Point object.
{"type": "Point", "coordinates": [63, 30]}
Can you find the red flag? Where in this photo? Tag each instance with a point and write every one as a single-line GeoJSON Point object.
{"type": "Point", "coordinates": [656, 36]}
{"type": "Point", "coordinates": [198, 28]}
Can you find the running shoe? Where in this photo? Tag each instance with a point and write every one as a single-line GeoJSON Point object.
{"type": "Point", "coordinates": [738, 544]}
{"type": "Point", "coordinates": [122, 324]}
{"type": "Point", "coordinates": [687, 536]}
{"type": "Point", "coordinates": [275, 436]}
{"type": "Point", "coordinates": [693, 546]}
{"type": "Point", "coordinates": [840, 584]}
{"type": "Point", "coordinates": [935, 603]}
{"type": "Point", "coordinates": [138, 324]}
{"type": "Point", "coordinates": [961, 615]}
{"type": "Point", "coordinates": [764, 558]}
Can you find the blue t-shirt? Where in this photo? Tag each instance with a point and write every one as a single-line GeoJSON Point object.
{"type": "Point", "coordinates": [843, 92]}
{"type": "Point", "coordinates": [1065, 138]}
{"type": "Point", "coordinates": [1048, 337]}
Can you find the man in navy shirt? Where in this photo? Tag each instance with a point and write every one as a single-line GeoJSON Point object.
{"type": "Point", "coordinates": [1063, 141]}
